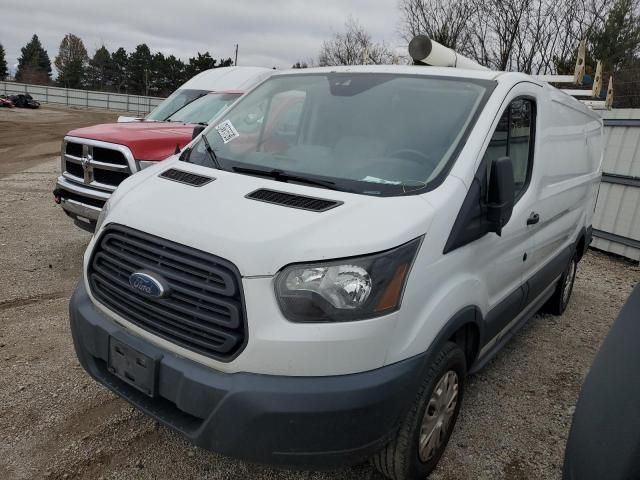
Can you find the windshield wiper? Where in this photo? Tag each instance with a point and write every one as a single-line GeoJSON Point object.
{"type": "Point", "coordinates": [282, 176]}
{"type": "Point", "coordinates": [211, 152]}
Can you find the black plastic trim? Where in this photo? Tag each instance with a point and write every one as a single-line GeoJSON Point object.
{"type": "Point", "coordinates": [317, 422]}
{"type": "Point", "coordinates": [186, 178]}
{"type": "Point", "coordinates": [255, 195]}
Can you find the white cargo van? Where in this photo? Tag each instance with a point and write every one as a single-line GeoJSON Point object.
{"type": "Point", "coordinates": [310, 282]}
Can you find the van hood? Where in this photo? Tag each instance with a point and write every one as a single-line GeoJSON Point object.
{"type": "Point", "coordinates": [147, 140]}
{"type": "Point", "coordinates": [261, 238]}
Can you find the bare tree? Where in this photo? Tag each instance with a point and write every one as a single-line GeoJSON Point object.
{"type": "Point", "coordinates": [354, 46]}
{"type": "Point", "coordinates": [532, 36]}
{"type": "Point", "coordinates": [444, 21]}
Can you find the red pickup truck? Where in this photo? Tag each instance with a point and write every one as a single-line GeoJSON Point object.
{"type": "Point", "coordinates": [95, 160]}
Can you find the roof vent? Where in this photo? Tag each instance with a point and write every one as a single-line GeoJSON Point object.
{"type": "Point", "coordinates": [293, 200]}
{"type": "Point", "coordinates": [187, 178]}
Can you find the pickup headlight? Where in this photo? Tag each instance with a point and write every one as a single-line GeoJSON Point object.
{"type": "Point", "coordinates": [146, 163]}
{"type": "Point", "coordinates": [345, 290]}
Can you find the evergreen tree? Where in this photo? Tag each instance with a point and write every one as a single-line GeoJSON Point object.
{"type": "Point", "coordinates": [200, 63]}
{"type": "Point", "coordinates": [71, 62]}
{"type": "Point", "coordinates": [4, 71]}
{"type": "Point", "coordinates": [139, 70]}
{"type": "Point", "coordinates": [119, 70]}
{"type": "Point", "coordinates": [173, 74]}
{"type": "Point", "coordinates": [617, 43]}
{"type": "Point", "coordinates": [34, 65]}
{"type": "Point", "coordinates": [99, 71]}
{"type": "Point", "coordinates": [156, 74]}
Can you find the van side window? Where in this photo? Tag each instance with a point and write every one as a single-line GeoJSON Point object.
{"type": "Point", "coordinates": [513, 137]}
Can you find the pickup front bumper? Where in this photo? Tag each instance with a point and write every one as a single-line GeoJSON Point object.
{"type": "Point", "coordinates": [80, 203]}
{"type": "Point", "coordinates": [316, 422]}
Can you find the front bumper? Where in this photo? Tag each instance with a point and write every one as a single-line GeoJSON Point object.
{"type": "Point", "coordinates": [80, 203]}
{"type": "Point", "coordinates": [316, 422]}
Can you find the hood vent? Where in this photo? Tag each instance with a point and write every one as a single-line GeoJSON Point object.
{"type": "Point", "coordinates": [293, 200]}
{"type": "Point", "coordinates": [187, 178]}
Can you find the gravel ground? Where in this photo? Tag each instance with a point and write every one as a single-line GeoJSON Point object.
{"type": "Point", "coordinates": [56, 423]}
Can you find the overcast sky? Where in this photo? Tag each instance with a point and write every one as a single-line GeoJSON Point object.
{"type": "Point", "coordinates": [270, 32]}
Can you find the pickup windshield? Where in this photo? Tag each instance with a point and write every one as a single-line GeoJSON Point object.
{"type": "Point", "coordinates": [173, 103]}
{"type": "Point", "coordinates": [205, 108]}
{"type": "Point", "coordinates": [368, 133]}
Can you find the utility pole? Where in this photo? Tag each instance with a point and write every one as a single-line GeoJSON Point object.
{"type": "Point", "coordinates": [236, 62]}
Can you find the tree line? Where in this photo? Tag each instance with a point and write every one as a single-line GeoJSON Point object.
{"type": "Point", "coordinates": [529, 36]}
{"type": "Point", "coordinates": [139, 72]}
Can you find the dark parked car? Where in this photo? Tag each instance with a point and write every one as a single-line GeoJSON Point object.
{"type": "Point", "coordinates": [24, 101]}
{"type": "Point", "coordinates": [604, 442]}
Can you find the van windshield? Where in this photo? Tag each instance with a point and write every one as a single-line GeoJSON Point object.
{"type": "Point", "coordinates": [173, 103]}
{"type": "Point", "coordinates": [205, 108]}
{"type": "Point", "coordinates": [369, 133]}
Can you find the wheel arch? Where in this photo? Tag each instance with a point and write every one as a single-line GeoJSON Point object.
{"type": "Point", "coordinates": [464, 328]}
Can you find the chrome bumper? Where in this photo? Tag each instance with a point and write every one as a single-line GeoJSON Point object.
{"type": "Point", "coordinates": [76, 207]}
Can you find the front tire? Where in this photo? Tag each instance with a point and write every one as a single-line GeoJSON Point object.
{"type": "Point", "coordinates": [557, 304]}
{"type": "Point", "coordinates": [424, 433]}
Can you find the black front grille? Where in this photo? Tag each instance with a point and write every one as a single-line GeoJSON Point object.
{"type": "Point", "coordinates": [74, 149]}
{"type": "Point", "coordinates": [292, 200]}
{"type": "Point", "coordinates": [108, 155]}
{"type": "Point", "coordinates": [74, 169]}
{"type": "Point", "coordinates": [109, 177]}
{"type": "Point", "coordinates": [189, 178]}
{"type": "Point", "coordinates": [203, 310]}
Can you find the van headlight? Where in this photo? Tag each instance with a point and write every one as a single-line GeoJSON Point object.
{"type": "Point", "coordinates": [345, 290]}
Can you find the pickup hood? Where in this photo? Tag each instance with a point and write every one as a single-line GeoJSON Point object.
{"type": "Point", "coordinates": [146, 140]}
{"type": "Point", "coordinates": [261, 238]}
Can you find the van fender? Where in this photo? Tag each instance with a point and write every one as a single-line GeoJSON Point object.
{"type": "Point", "coordinates": [438, 320]}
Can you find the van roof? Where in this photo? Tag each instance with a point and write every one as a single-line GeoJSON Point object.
{"type": "Point", "coordinates": [400, 69]}
{"type": "Point", "coordinates": [228, 78]}
{"type": "Point", "coordinates": [510, 77]}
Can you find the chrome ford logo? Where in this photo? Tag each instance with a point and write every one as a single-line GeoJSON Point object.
{"type": "Point", "coordinates": [148, 284]}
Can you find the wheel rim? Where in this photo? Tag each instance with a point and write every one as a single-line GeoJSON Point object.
{"type": "Point", "coordinates": [568, 282]}
{"type": "Point", "coordinates": [438, 416]}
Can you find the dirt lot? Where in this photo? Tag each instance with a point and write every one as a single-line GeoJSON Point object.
{"type": "Point", "coordinates": [57, 423]}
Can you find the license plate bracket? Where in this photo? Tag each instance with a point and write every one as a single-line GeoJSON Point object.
{"type": "Point", "coordinates": [132, 366]}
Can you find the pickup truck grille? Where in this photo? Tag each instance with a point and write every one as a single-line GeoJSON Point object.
{"type": "Point", "coordinates": [203, 310]}
{"type": "Point", "coordinates": [101, 167]}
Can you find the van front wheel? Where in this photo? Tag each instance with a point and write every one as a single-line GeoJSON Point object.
{"type": "Point", "coordinates": [424, 433]}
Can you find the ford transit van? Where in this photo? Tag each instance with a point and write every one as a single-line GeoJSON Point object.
{"type": "Point", "coordinates": [311, 281]}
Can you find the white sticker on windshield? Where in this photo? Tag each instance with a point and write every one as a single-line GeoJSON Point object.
{"type": "Point", "coordinates": [371, 179]}
{"type": "Point", "coordinates": [227, 131]}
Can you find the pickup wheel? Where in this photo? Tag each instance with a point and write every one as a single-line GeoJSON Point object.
{"type": "Point", "coordinates": [557, 304]}
{"type": "Point", "coordinates": [423, 435]}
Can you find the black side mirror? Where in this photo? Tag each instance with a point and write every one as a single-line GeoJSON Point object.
{"type": "Point", "coordinates": [502, 189]}
{"type": "Point", "coordinates": [197, 130]}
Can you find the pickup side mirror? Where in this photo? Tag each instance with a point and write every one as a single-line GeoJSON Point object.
{"type": "Point", "coordinates": [501, 194]}
{"type": "Point", "coordinates": [197, 130]}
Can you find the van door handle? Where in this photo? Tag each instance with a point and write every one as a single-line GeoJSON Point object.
{"type": "Point", "coordinates": [533, 218]}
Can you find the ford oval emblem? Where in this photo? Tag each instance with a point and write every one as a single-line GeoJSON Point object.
{"type": "Point", "coordinates": [148, 284]}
